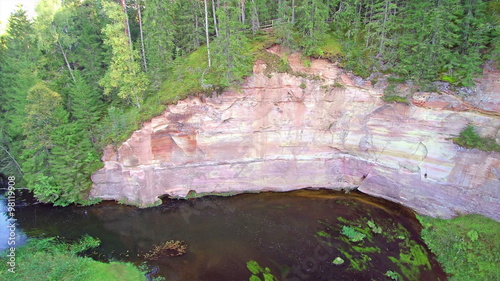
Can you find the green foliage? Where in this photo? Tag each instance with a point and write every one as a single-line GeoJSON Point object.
{"type": "Point", "coordinates": [230, 49]}
{"type": "Point", "coordinates": [468, 247]}
{"type": "Point", "coordinates": [469, 138]}
{"type": "Point", "coordinates": [257, 271]}
{"type": "Point", "coordinates": [311, 23]}
{"type": "Point", "coordinates": [329, 48]}
{"type": "Point", "coordinates": [49, 259]}
{"type": "Point", "coordinates": [352, 234]}
{"type": "Point", "coordinates": [159, 38]}
{"type": "Point", "coordinates": [124, 74]}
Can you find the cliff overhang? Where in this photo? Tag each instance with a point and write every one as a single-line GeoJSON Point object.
{"type": "Point", "coordinates": [323, 129]}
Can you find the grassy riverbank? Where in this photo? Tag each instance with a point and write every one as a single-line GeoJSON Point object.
{"type": "Point", "coordinates": [468, 247]}
{"type": "Point", "coordinates": [49, 259]}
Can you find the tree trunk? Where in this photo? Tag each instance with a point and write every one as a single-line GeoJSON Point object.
{"type": "Point", "coordinates": [382, 39]}
{"type": "Point", "coordinates": [66, 60]}
{"type": "Point", "coordinates": [142, 36]}
{"type": "Point", "coordinates": [255, 18]}
{"type": "Point", "coordinates": [206, 33]}
{"type": "Point", "coordinates": [242, 11]}
{"type": "Point", "coordinates": [127, 28]}
{"type": "Point", "coordinates": [13, 160]}
{"type": "Point", "coordinates": [215, 19]}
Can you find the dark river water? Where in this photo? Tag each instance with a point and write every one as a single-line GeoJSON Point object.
{"type": "Point", "coordinates": [292, 236]}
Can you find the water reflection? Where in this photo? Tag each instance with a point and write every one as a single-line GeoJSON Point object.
{"type": "Point", "coordinates": [6, 230]}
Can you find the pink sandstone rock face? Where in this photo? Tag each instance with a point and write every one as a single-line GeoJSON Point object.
{"type": "Point", "coordinates": [281, 132]}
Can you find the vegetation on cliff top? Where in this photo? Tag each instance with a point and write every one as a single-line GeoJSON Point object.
{"type": "Point", "coordinates": [85, 74]}
{"type": "Point", "coordinates": [468, 247]}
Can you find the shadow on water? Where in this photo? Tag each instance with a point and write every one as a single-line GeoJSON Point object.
{"type": "Point", "coordinates": [296, 235]}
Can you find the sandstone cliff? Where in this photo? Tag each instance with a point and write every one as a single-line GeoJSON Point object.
{"type": "Point", "coordinates": [282, 132]}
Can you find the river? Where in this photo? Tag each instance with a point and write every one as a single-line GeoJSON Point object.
{"type": "Point", "coordinates": [293, 236]}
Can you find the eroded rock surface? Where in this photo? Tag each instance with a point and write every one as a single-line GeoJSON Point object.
{"type": "Point", "coordinates": [281, 132]}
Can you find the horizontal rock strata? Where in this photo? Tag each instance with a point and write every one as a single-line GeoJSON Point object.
{"type": "Point", "coordinates": [282, 132]}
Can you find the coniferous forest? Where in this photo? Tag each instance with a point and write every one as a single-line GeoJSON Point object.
{"type": "Point", "coordinates": [85, 73]}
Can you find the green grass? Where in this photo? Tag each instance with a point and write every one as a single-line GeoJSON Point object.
{"type": "Point", "coordinates": [48, 259]}
{"type": "Point", "coordinates": [469, 138]}
{"type": "Point", "coordinates": [468, 247]}
{"type": "Point", "coordinates": [329, 48]}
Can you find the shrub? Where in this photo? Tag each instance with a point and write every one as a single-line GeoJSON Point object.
{"type": "Point", "coordinates": [469, 138]}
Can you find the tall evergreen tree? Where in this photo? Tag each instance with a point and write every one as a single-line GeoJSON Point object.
{"type": "Point", "coordinates": [311, 22]}
{"type": "Point", "coordinates": [159, 31]}
{"type": "Point", "coordinates": [189, 23]}
{"type": "Point", "coordinates": [230, 58]}
{"type": "Point", "coordinates": [18, 65]}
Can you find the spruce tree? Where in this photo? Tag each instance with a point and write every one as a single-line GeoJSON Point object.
{"type": "Point", "coordinates": [230, 48]}
{"type": "Point", "coordinates": [311, 23]}
{"type": "Point", "coordinates": [159, 31]}
{"type": "Point", "coordinates": [18, 65]}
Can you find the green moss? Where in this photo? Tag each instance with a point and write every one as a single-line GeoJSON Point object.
{"type": "Point", "coordinates": [468, 247]}
{"type": "Point", "coordinates": [469, 138]}
{"type": "Point", "coordinates": [329, 48]}
{"type": "Point", "coordinates": [48, 259]}
{"type": "Point", "coordinates": [273, 62]}
{"type": "Point", "coordinates": [303, 85]}
{"type": "Point", "coordinates": [395, 98]}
